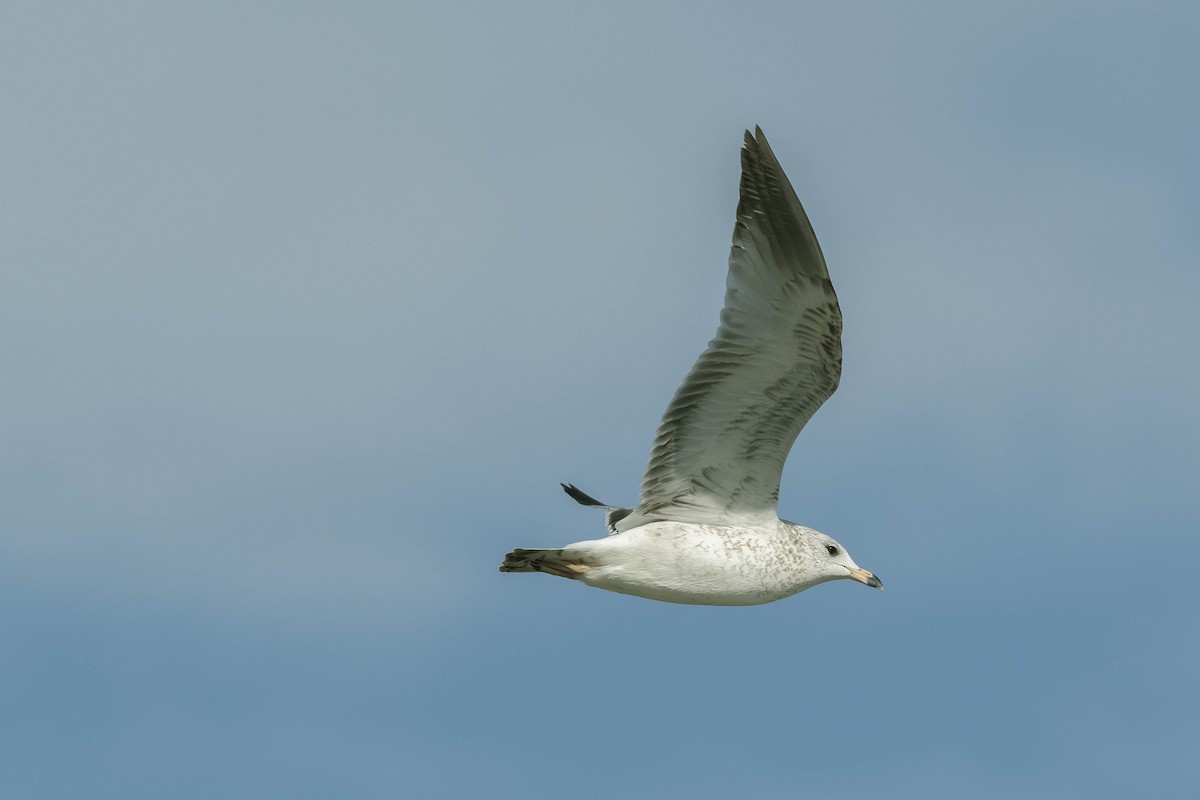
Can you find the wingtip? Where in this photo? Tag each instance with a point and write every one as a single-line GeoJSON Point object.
{"type": "Point", "coordinates": [579, 496]}
{"type": "Point", "coordinates": [757, 136]}
{"type": "Point", "coordinates": [756, 142]}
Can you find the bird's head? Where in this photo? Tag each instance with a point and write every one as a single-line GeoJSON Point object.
{"type": "Point", "coordinates": [834, 562]}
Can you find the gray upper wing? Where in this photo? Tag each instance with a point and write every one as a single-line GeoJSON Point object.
{"type": "Point", "coordinates": [777, 355]}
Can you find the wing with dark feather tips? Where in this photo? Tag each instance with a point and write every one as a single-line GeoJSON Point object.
{"type": "Point", "coordinates": [612, 514]}
{"type": "Point", "coordinates": [720, 448]}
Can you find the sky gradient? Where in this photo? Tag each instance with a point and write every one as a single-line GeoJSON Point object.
{"type": "Point", "coordinates": [308, 309]}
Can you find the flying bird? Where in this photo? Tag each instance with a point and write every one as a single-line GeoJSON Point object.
{"type": "Point", "coordinates": [706, 529]}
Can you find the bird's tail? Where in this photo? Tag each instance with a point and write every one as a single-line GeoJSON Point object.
{"type": "Point", "coordinates": [551, 562]}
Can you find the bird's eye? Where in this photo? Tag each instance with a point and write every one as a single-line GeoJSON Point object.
{"type": "Point", "coordinates": [833, 551]}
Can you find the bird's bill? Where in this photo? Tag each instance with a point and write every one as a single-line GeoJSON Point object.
{"type": "Point", "coordinates": [862, 576]}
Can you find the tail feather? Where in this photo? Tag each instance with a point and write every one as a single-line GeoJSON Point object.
{"type": "Point", "coordinates": [551, 562]}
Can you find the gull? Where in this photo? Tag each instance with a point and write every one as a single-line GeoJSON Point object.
{"type": "Point", "coordinates": [706, 530]}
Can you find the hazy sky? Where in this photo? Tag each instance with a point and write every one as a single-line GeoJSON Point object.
{"type": "Point", "coordinates": [308, 308]}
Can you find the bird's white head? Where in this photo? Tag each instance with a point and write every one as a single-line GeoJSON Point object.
{"type": "Point", "coordinates": [833, 562]}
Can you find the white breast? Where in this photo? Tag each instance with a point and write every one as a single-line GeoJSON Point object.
{"type": "Point", "coordinates": [680, 562]}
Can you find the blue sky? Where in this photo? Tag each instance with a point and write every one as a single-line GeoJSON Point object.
{"type": "Point", "coordinates": [308, 308]}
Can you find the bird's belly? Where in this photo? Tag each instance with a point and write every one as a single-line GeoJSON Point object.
{"type": "Point", "coordinates": [700, 565]}
{"type": "Point", "coordinates": [709, 592]}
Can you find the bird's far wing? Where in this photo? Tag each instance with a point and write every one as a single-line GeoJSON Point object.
{"type": "Point", "coordinates": [612, 514]}
{"type": "Point", "coordinates": [720, 448]}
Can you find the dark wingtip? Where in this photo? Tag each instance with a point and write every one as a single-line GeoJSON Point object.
{"type": "Point", "coordinates": [580, 497]}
